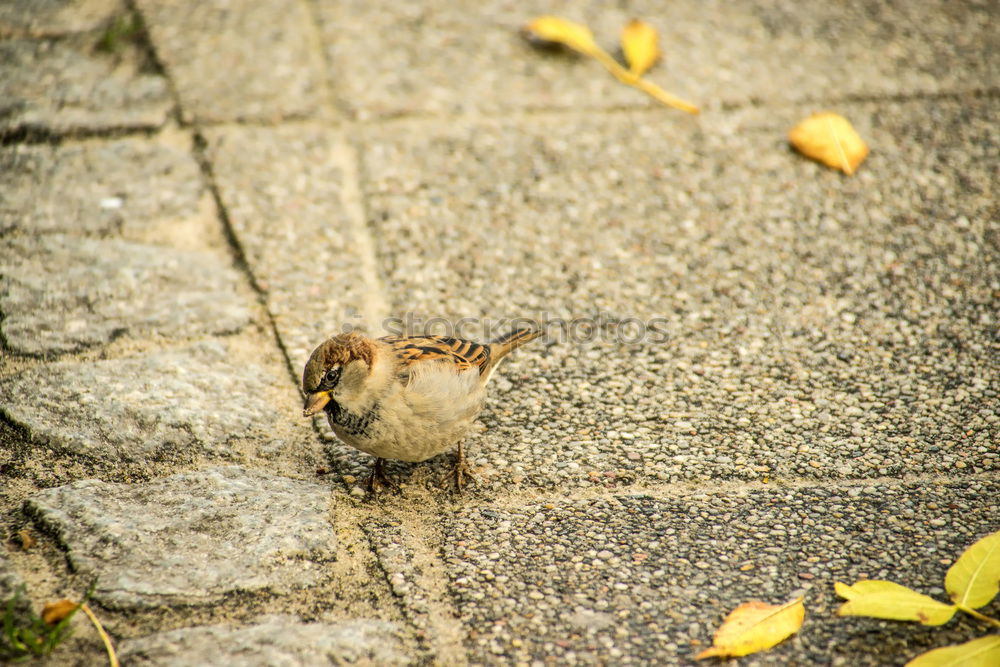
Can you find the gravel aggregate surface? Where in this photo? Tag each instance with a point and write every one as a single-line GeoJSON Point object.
{"type": "Point", "coordinates": [639, 579]}
{"type": "Point", "coordinates": [716, 53]}
{"type": "Point", "coordinates": [821, 327]}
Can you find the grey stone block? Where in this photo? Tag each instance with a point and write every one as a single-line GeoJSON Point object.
{"type": "Point", "coordinates": [283, 191]}
{"type": "Point", "coordinates": [66, 85]}
{"type": "Point", "coordinates": [639, 580]}
{"type": "Point", "coordinates": [272, 640]}
{"type": "Point", "coordinates": [191, 538]}
{"type": "Point", "coordinates": [393, 59]}
{"type": "Point", "coordinates": [54, 17]}
{"type": "Point", "coordinates": [126, 186]}
{"type": "Point", "coordinates": [176, 405]}
{"type": "Point", "coordinates": [742, 312]}
{"type": "Point", "coordinates": [233, 61]}
{"type": "Point", "coordinates": [60, 293]}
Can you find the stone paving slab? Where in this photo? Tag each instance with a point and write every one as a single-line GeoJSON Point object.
{"type": "Point", "coordinates": [282, 189]}
{"type": "Point", "coordinates": [232, 61]}
{"type": "Point", "coordinates": [635, 579]}
{"type": "Point", "coordinates": [61, 294]}
{"type": "Point", "coordinates": [126, 186]}
{"type": "Point", "coordinates": [798, 323]}
{"type": "Point", "coordinates": [38, 18]}
{"type": "Point", "coordinates": [175, 406]}
{"type": "Point", "coordinates": [448, 57]}
{"type": "Point", "coordinates": [66, 85]}
{"type": "Point", "coordinates": [191, 538]}
{"type": "Point", "coordinates": [275, 640]}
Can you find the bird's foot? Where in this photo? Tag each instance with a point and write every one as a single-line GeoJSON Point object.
{"type": "Point", "coordinates": [461, 473]}
{"type": "Point", "coordinates": [378, 477]}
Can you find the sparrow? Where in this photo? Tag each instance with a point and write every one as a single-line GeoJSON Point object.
{"type": "Point", "coordinates": [404, 397]}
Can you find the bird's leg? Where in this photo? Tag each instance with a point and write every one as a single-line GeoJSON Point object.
{"type": "Point", "coordinates": [461, 472]}
{"type": "Point", "coordinates": [378, 477]}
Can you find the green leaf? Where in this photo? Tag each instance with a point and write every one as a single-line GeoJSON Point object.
{"type": "Point", "coordinates": [885, 599]}
{"type": "Point", "coordinates": [974, 579]}
{"type": "Point", "coordinates": [982, 652]}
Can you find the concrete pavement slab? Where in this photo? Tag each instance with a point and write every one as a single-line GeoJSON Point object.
{"type": "Point", "coordinates": [61, 294]}
{"type": "Point", "coordinates": [130, 187]}
{"type": "Point", "coordinates": [231, 61]}
{"type": "Point", "coordinates": [274, 640]}
{"type": "Point", "coordinates": [66, 85]}
{"type": "Point", "coordinates": [742, 312]}
{"type": "Point", "coordinates": [636, 579]}
{"type": "Point", "coordinates": [391, 58]}
{"type": "Point", "coordinates": [191, 538]}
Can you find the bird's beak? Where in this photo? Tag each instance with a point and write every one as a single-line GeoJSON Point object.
{"type": "Point", "coordinates": [315, 402]}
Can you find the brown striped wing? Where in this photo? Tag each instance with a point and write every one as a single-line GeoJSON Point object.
{"type": "Point", "coordinates": [464, 354]}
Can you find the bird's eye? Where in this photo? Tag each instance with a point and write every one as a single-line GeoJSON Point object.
{"type": "Point", "coordinates": [332, 376]}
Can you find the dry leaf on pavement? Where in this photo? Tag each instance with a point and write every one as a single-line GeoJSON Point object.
{"type": "Point", "coordinates": [755, 626]}
{"type": "Point", "coordinates": [57, 611]}
{"type": "Point", "coordinates": [831, 139]}
{"type": "Point", "coordinates": [553, 29]}
{"type": "Point", "coordinates": [641, 46]}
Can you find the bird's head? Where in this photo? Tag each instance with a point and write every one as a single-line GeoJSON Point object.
{"type": "Point", "coordinates": [336, 370]}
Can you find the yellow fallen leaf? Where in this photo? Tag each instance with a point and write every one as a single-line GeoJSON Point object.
{"type": "Point", "coordinates": [885, 599]}
{"type": "Point", "coordinates": [641, 46]}
{"type": "Point", "coordinates": [27, 541]}
{"type": "Point", "coordinates": [755, 626]}
{"type": "Point", "coordinates": [974, 579]}
{"type": "Point", "coordinates": [555, 29]}
{"type": "Point", "coordinates": [831, 139]}
{"type": "Point", "coordinates": [54, 612]}
{"type": "Point", "coordinates": [982, 652]}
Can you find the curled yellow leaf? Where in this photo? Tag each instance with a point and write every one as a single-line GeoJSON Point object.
{"type": "Point", "coordinates": [555, 29]}
{"type": "Point", "coordinates": [641, 46]}
{"type": "Point", "coordinates": [974, 579]}
{"type": "Point", "coordinates": [982, 652]}
{"type": "Point", "coordinates": [755, 626]}
{"type": "Point", "coordinates": [831, 139]}
{"type": "Point", "coordinates": [885, 599]}
{"type": "Point", "coordinates": [54, 612]}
